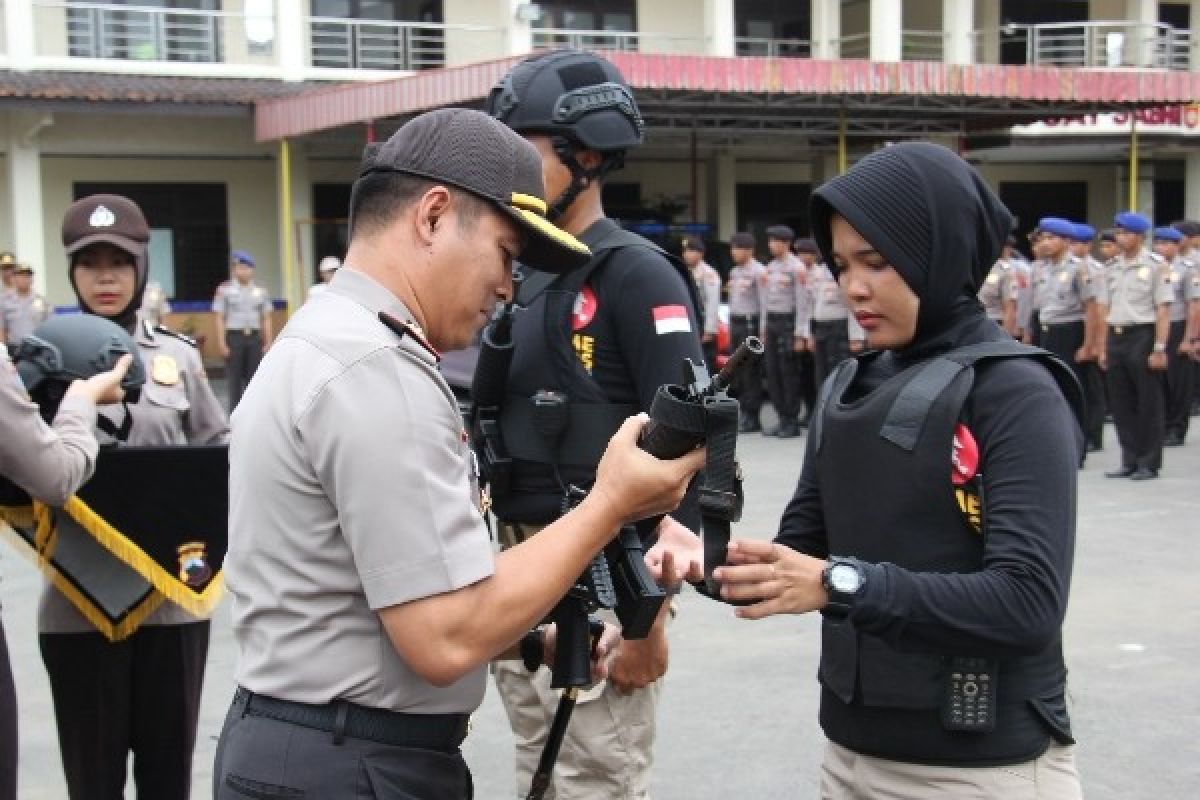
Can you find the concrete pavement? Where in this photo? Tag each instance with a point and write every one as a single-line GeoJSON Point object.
{"type": "Point", "coordinates": [739, 712]}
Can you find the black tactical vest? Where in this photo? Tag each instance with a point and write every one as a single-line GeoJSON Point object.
{"type": "Point", "coordinates": [544, 358]}
{"type": "Point", "coordinates": [883, 468]}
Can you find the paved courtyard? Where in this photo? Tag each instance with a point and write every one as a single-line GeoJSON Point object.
{"type": "Point", "coordinates": [739, 712]}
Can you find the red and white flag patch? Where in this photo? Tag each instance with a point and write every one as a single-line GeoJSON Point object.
{"type": "Point", "coordinates": [671, 319]}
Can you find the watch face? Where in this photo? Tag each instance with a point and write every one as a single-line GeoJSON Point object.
{"type": "Point", "coordinates": [845, 579]}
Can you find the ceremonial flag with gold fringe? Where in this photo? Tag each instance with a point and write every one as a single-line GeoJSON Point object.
{"type": "Point", "coordinates": [150, 525]}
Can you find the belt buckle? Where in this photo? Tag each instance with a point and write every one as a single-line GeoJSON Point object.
{"type": "Point", "coordinates": [247, 331]}
{"type": "Point", "coordinates": [1118, 329]}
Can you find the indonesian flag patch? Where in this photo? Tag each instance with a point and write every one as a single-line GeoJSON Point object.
{"type": "Point", "coordinates": [671, 319]}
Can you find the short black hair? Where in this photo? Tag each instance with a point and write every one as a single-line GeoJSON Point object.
{"type": "Point", "coordinates": [378, 197]}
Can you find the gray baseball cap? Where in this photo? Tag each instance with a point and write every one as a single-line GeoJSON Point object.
{"type": "Point", "coordinates": [471, 151]}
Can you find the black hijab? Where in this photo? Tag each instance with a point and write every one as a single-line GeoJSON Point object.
{"type": "Point", "coordinates": [934, 219]}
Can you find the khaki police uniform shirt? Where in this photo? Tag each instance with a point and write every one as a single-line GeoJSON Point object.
{"type": "Point", "coordinates": [708, 284]}
{"type": "Point", "coordinates": [352, 489]}
{"type": "Point", "coordinates": [243, 306]}
{"type": "Point", "coordinates": [1023, 276]}
{"type": "Point", "coordinates": [177, 407]}
{"type": "Point", "coordinates": [20, 315]}
{"type": "Point", "coordinates": [48, 461]}
{"type": "Point", "coordinates": [1182, 270]}
{"type": "Point", "coordinates": [747, 286]}
{"type": "Point", "coordinates": [1061, 290]}
{"type": "Point", "coordinates": [1135, 288]}
{"type": "Point", "coordinates": [1000, 286]}
{"type": "Point", "coordinates": [828, 304]}
{"type": "Point", "coordinates": [783, 288]}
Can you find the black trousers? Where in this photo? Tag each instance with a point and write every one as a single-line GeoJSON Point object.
{"type": "Point", "coordinates": [783, 368]}
{"type": "Point", "coordinates": [245, 351]}
{"type": "Point", "coordinates": [1181, 379]}
{"type": "Point", "coordinates": [1063, 340]}
{"type": "Point", "coordinates": [748, 387]}
{"type": "Point", "coordinates": [831, 344]}
{"type": "Point", "coordinates": [1095, 394]}
{"type": "Point", "coordinates": [709, 349]}
{"type": "Point", "coordinates": [806, 365]}
{"type": "Point", "coordinates": [259, 757]}
{"type": "Point", "coordinates": [1135, 394]}
{"type": "Point", "coordinates": [140, 694]}
{"type": "Point", "coordinates": [8, 724]}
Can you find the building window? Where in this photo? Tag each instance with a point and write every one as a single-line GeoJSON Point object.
{"type": "Point", "coordinates": [190, 226]}
{"type": "Point", "coordinates": [154, 30]}
{"type": "Point", "coordinates": [377, 34]}
{"type": "Point", "coordinates": [559, 17]}
{"type": "Point", "coordinates": [772, 28]}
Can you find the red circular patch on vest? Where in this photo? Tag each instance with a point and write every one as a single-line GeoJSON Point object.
{"type": "Point", "coordinates": [964, 456]}
{"type": "Point", "coordinates": [585, 309]}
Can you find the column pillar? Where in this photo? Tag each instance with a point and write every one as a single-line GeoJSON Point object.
{"type": "Point", "coordinates": [19, 34]}
{"type": "Point", "coordinates": [887, 26]}
{"type": "Point", "coordinates": [958, 22]}
{"type": "Point", "coordinates": [25, 191]}
{"type": "Point", "coordinates": [719, 28]}
{"type": "Point", "coordinates": [1191, 184]}
{"type": "Point", "coordinates": [291, 26]}
{"type": "Point", "coordinates": [826, 18]}
{"type": "Point", "coordinates": [518, 28]}
{"type": "Point", "coordinates": [725, 187]}
{"type": "Point", "coordinates": [1142, 39]}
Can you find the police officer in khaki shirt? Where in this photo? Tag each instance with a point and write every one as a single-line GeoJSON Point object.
{"type": "Point", "coordinates": [367, 600]}
{"type": "Point", "coordinates": [49, 462]}
{"type": "Point", "coordinates": [8, 263]}
{"type": "Point", "coordinates": [22, 309]}
{"type": "Point", "coordinates": [1137, 304]}
{"type": "Point", "coordinates": [785, 300]}
{"type": "Point", "coordinates": [832, 333]}
{"type": "Point", "coordinates": [747, 312]}
{"type": "Point", "coordinates": [243, 317]}
{"type": "Point", "coordinates": [708, 286]}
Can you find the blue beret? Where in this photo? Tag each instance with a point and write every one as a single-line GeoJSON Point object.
{"type": "Point", "coordinates": [242, 257]}
{"type": "Point", "coordinates": [1132, 222]}
{"type": "Point", "coordinates": [1168, 234]}
{"type": "Point", "coordinates": [1084, 232]}
{"type": "Point", "coordinates": [1058, 226]}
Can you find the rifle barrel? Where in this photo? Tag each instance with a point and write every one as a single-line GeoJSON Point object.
{"type": "Point", "coordinates": [749, 349]}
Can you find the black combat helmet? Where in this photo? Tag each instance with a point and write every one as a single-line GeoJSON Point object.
{"type": "Point", "coordinates": [67, 348]}
{"type": "Point", "coordinates": [578, 99]}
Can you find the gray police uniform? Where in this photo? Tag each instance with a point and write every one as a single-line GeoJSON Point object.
{"type": "Point", "coordinates": [828, 324]}
{"type": "Point", "coordinates": [708, 284]}
{"type": "Point", "coordinates": [50, 463]}
{"type": "Point", "coordinates": [999, 287]}
{"type": "Point", "coordinates": [747, 301]}
{"type": "Point", "coordinates": [352, 489]}
{"type": "Point", "coordinates": [20, 314]}
{"type": "Point", "coordinates": [1180, 368]}
{"type": "Point", "coordinates": [243, 307]}
{"type": "Point", "coordinates": [146, 687]}
{"type": "Point", "coordinates": [1133, 291]}
{"type": "Point", "coordinates": [784, 299]}
{"type": "Point", "coordinates": [1062, 290]}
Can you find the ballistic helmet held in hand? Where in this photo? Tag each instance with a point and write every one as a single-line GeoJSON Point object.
{"type": "Point", "coordinates": [67, 348]}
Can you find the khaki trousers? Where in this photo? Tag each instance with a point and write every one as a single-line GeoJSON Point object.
{"type": "Point", "coordinates": [609, 747]}
{"type": "Point", "coordinates": [847, 775]}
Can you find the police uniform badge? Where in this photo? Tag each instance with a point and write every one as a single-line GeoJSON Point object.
{"type": "Point", "coordinates": [993, 278]}
{"type": "Point", "coordinates": [39, 305]}
{"type": "Point", "coordinates": [194, 569]}
{"type": "Point", "coordinates": [1143, 273]}
{"type": "Point", "coordinates": [164, 370]}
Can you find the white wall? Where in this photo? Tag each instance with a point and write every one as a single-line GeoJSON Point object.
{"type": "Point", "coordinates": [6, 234]}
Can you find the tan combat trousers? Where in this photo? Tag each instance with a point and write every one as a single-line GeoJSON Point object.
{"type": "Point", "coordinates": [609, 746]}
{"type": "Point", "coordinates": [847, 775]}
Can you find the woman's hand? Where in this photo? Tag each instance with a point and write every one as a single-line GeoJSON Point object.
{"type": "Point", "coordinates": [781, 580]}
{"type": "Point", "coordinates": [677, 556]}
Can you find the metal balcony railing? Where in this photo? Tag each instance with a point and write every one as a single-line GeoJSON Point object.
{"type": "Point", "coordinates": [382, 44]}
{"type": "Point", "coordinates": [856, 45]}
{"type": "Point", "coordinates": [141, 33]}
{"type": "Point", "coordinates": [773, 48]}
{"type": "Point", "coordinates": [617, 40]}
{"type": "Point", "coordinates": [918, 45]}
{"type": "Point", "coordinates": [1111, 44]}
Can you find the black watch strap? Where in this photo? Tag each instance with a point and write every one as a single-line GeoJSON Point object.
{"type": "Point", "coordinates": [840, 602]}
{"type": "Point", "coordinates": [533, 649]}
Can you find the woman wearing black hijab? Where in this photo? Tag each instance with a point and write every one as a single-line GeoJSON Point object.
{"type": "Point", "coordinates": [934, 520]}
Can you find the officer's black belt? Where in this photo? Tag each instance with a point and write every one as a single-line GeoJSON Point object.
{"type": "Point", "coordinates": [781, 315]}
{"type": "Point", "coordinates": [836, 322]}
{"type": "Point", "coordinates": [1126, 330]}
{"type": "Point", "coordinates": [743, 317]}
{"type": "Point", "coordinates": [243, 331]}
{"type": "Point", "coordinates": [443, 732]}
{"type": "Point", "coordinates": [589, 428]}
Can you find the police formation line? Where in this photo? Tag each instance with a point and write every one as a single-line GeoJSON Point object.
{"type": "Point", "coordinates": [368, 598]}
